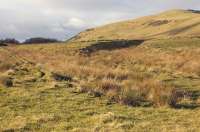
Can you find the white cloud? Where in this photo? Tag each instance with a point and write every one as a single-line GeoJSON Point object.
{"type": "Point", "coordinates": [76, 23]}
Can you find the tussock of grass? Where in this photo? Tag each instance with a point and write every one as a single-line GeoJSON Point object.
{"type": "Point", "coordinates": [6, 81]}
{"type": "Point", "coordinates": [109, 84]}
{"type": "Point", "coordinates": [61, 77]}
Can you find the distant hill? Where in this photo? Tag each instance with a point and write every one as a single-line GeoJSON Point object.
{"type": "Point", "coordinates": [169, 24]}
{"type": "Point", "coordinates": [5, 42]}
{"type": "Point", "coordinates": [40, 40]}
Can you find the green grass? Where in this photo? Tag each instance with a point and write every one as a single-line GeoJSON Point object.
{"type": "Point", "coordinates": [39, 103]}
{"type": "Point", "coordinates": [62, 109]}
{"type": "Point", "coordinates": [46, 105]}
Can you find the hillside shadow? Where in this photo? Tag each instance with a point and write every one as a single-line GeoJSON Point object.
{"type": "Point", "coordinates": [110, 45]}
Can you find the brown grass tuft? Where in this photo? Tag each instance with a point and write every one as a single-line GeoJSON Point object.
{"type": "Point", "coordinates": [109, 84]}
{"type": "Point", "coordinates": [6, 81]}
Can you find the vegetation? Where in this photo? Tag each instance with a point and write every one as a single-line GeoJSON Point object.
{"type": "Point", "coordinates": [170, 24]}
{"type": "Point", "coordinates": [103, 85]}
{"type": "Point", "coordinates": [40, 40]}
{"type": "Point", "coordinates": [9, 41]}
{"type": "Point", "coordinates": [6, 81]}
{"type": "Point", "coordinates": [39, 103]}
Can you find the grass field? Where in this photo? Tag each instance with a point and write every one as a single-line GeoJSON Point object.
{"type": "Point", "coordinates": [37, 101]}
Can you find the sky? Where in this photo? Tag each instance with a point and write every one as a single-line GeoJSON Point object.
{"type": "Point", "coordinates": [61, 19]}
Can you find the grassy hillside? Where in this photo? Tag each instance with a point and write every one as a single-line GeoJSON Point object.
{"type": "Point", "coordinates": [174, 23]}
{"type": "Point", "coordinates": [106, 84]}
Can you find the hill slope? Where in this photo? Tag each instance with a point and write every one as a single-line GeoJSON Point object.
{"type": "Point", "coordinates": [174, 23]}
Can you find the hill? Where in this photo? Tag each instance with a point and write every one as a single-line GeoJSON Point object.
{"type": "Point", "coordinates": [131, 82]}
{"type": "Point", "coordinates": [170, 24]}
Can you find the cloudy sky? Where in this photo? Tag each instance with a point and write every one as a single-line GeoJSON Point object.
{"type": "Point", "coordinates": [61, 19]}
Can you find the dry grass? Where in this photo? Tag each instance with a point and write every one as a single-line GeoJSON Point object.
{"type": "Point", "coordinates": [178, 23]}
{"type": "Point", "coordinates": [6, 81]}
{"type": "Point", "coordinates": [124, 75]}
